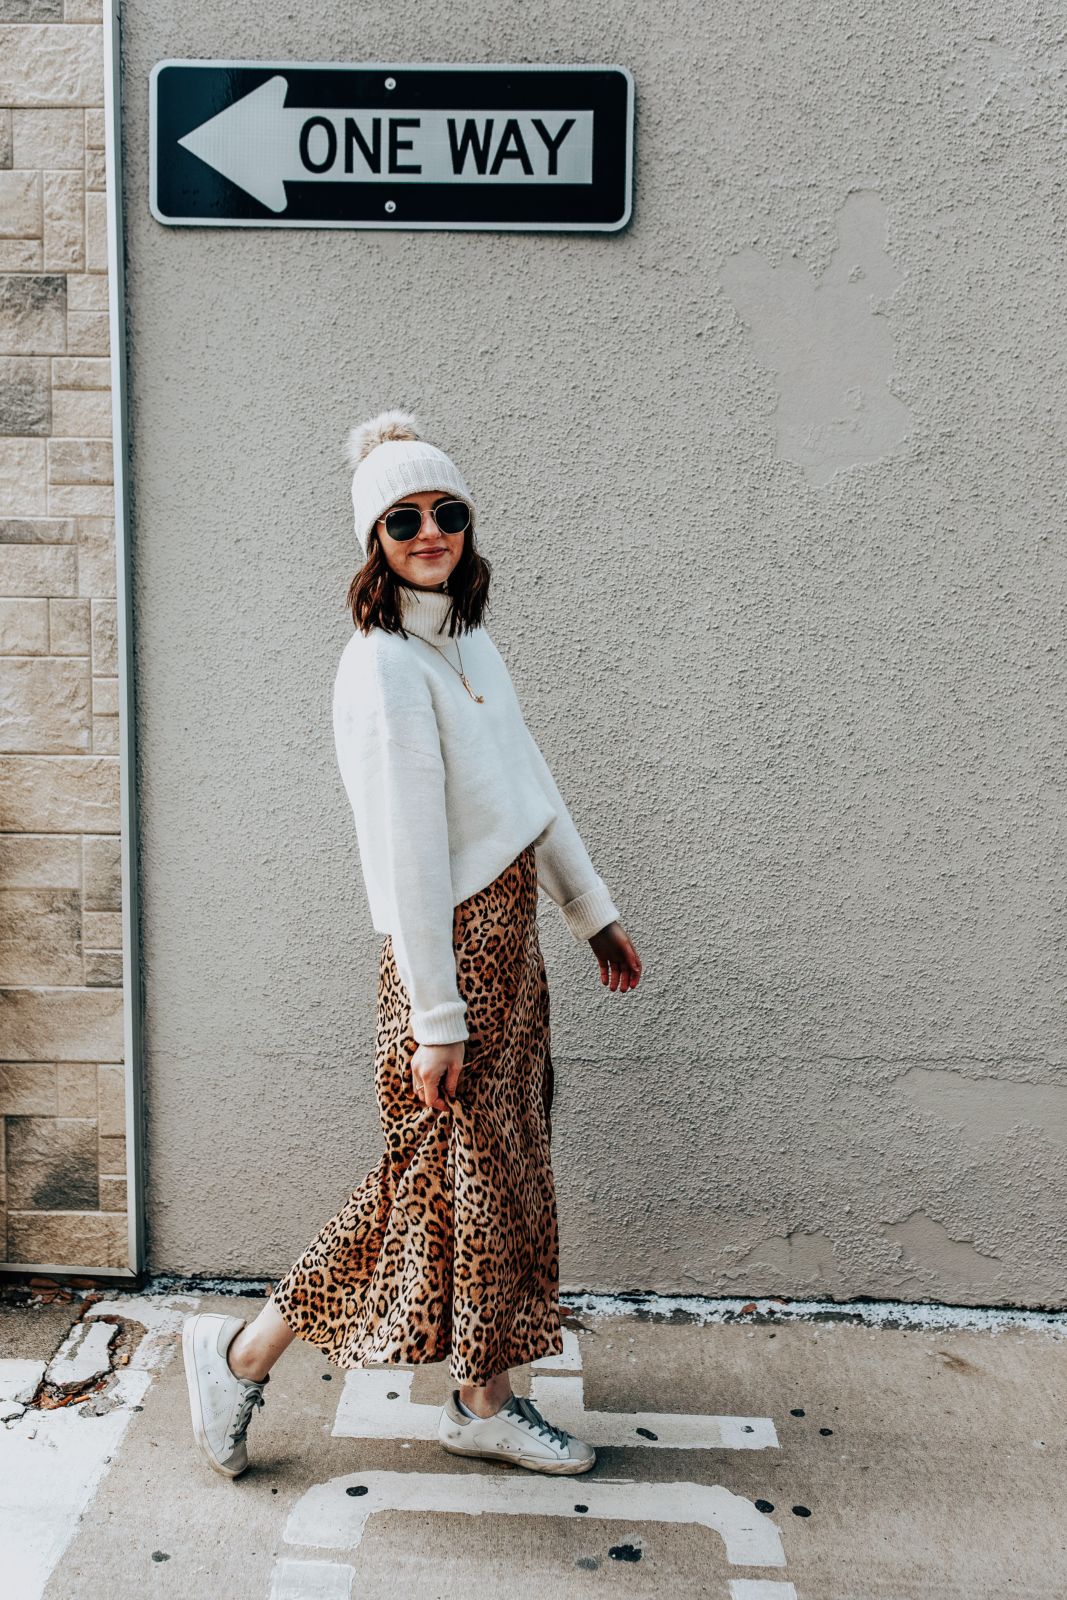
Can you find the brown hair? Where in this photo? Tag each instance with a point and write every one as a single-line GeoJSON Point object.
{"type": "Point", "coordinates": [374, 593]}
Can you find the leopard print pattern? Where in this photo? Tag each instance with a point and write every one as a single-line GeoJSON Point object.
{"type": "Point", "coordinates": [449, 1247]}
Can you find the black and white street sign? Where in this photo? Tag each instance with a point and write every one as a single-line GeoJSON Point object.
{"type": "Point", "coordinates": [317, 145]}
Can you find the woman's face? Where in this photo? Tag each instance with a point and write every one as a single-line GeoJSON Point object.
{"type": "Point", "coordinates": [427, 560]}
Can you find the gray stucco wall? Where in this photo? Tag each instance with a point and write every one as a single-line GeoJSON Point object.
{"type": "Point", "coordinates": [772, 483]}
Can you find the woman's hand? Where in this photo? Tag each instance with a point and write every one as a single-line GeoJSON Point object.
{"type": "Point", "coordinates": [620, 965]}
{"type": "Point", "coordinates": [431, 1063]}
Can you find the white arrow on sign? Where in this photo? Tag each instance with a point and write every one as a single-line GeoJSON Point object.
{"type": "Point", "coordinates": [259, 144]}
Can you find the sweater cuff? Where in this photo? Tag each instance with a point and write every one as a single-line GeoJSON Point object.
{"type": "Point", "coordinates": [444, 1024]}
{"type": "Point", "coordinates": [590, 912]}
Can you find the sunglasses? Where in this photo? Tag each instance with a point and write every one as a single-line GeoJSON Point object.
{"type": "Point", "coordinates": [451, 516]}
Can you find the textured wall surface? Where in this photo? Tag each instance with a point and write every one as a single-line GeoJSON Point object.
{"type": "Point", "coordinates": [63, 1152]}
{"type": "Point", "coordinates": [772, 484]}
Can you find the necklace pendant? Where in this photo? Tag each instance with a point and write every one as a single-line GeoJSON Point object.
{"type": "Point", "coordinates": [479, 697]}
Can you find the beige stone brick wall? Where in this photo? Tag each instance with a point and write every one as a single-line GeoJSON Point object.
{"type": "Point", "coordinates": [62, 1082]}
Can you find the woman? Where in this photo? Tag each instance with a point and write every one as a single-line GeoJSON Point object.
{"type": "Point", "coordinates": [449, 1247]}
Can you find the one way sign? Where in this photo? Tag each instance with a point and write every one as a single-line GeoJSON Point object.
{"type": "Point", "coordinates": [318, 145]}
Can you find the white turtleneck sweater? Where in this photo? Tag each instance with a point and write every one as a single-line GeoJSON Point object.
{"type": "Point", "coordinates": [446, 792]}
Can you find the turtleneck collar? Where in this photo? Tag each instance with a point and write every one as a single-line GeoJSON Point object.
{"type": "Point", "coordinates": [425, 612]}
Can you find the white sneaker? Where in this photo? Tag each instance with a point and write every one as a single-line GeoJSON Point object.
{"type": "Point", "coordinates": [221, 1403]}
{"type": "Point", "coordinates": [517, 1433]}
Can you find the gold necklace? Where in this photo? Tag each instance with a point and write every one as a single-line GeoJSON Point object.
{"type": "Point", "coordinates": [479, 697]}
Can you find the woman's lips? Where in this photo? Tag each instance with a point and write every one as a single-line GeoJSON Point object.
{"type": "Point", "coordinates": [423, 555]}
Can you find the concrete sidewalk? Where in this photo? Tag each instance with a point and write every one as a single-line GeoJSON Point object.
{"type": "Point", "coordinates": [766, 1453]}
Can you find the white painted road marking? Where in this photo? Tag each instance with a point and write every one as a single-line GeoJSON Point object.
{"type": "Point", "coordinates": [327, 1517]}
{"type": "Point", "coordinates": [51, 1465]}
{"type": "Point", "coordinates": [18, 1384]}
{"type": "Point", "coordinates": [756, 1589]}
{"type": "Point", "coordinates": [160, 1319]}
{"type": "Point", "coordinates": [311, 1580]}
{"type": "Point", "coordinates": [673, 1430]}
{"type": "Point", "coordinates": [365, 1411]}
{"type": "Point", "coordinates": [376, 1403]}
{"type": "Point", "coordinates": [85, 1354]}
{"type": "Point", "coordinates": [53, 1461]}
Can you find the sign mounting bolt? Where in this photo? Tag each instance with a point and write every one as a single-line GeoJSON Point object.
{"type": "Point", "coordinates": [390, 83]}
{"type": "Point", "coordinates": [390, 205]}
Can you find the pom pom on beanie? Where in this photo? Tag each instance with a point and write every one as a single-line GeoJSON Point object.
{"type": "Point", "coordinates": [364, 436]}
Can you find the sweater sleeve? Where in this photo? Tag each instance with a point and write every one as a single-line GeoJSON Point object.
{"type": "Point", "coordinates": [416, 865]}
{"type": "Point", "coordinates": [405, 830]}
{"type": "Point", "coordinates": [564, 869]}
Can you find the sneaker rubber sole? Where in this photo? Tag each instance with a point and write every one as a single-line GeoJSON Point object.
{"type": "Point", "coordinates": [555, 1469]}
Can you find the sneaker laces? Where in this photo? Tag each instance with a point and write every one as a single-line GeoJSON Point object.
{"type": "Point", "coordinates": [252, 1396]}
{"type": "Point", "coordinates": [528, 1411]}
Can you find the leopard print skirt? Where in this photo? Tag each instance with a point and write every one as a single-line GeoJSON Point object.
{"type": "Point", "coordinates": [448, 1249]}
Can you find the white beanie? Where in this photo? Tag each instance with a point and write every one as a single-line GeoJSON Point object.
{"type": "Point", "coordinates": [391, 460]}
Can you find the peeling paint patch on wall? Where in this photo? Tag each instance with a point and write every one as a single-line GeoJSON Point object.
{"type": "Point", "coordinates": [927, 1246]}
{"type": "Point", "coordinates": [987, 1108]}
{"type": "Point", "coordinates": [828, 343]}
{"type": "Point", "coordinates": [1022, 77]}
{"type": "Point", "coordinates": [802, 1258]}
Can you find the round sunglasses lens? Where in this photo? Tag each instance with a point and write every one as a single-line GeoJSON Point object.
{"type": "Point", "coordinates": [453, 516]}
{"type": "Point", "coordinates": [403, 524]}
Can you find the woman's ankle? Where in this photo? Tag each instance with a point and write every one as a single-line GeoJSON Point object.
{"type": "Point", "coordinates": [243, 1360]}
{"type": "Point", "coordinates": [483, 1399]}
